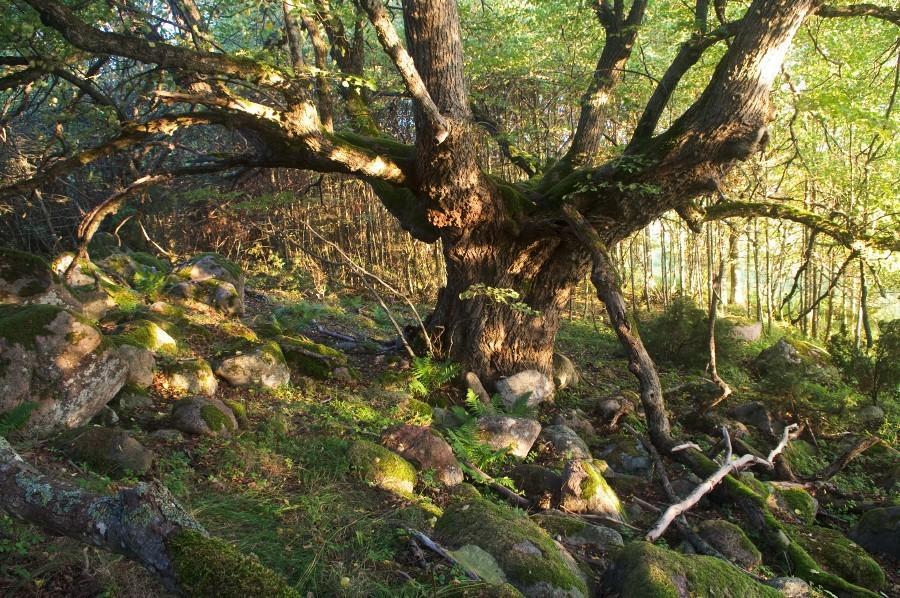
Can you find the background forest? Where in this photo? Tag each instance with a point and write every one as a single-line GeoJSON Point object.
{"type": "Point", "coordinates": [326, 272]}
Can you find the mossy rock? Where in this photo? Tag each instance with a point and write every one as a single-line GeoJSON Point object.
{"type": "Point", "coordinates": [209, 567]}
{"type": "Point", "coordinates": [204, 416]}
{"type": "Point", "coordinates": [150, 261]}
{"type": "Point", "coordinates": [529, 558]}
{"type": "Point", "coordinates": [585, 490]}
{"type": "Point", "coordinates": [22, 324]}
{"type": "Point", "coordinates": [109, 451]}
{"type": "Point", "coordinates": [103, 245]}
{"type": "Point", "coordinates": [310, 358]}
{"type": "Point", "coordinates": [194, 376]}
{"type": "Point", "coordinates": [793, 503]}
{"type": "Point", "coordinates": [731, 541]}
{"type": "Point", "coordinates": [210, 265]}
{"type": "Point", "coordinates": [23, 275]}
{"type": "Point", "coordinates": [839, 555]}
{"type": "Point", "coordinates": [574, 531]}
{"type": "Point", "coordinates": [381, 467]}
{"type": "Point", "coordinates": [642, 570]}
{"type": "Point", "coordinates": [147, 335]}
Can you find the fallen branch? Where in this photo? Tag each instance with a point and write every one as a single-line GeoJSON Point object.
{"type": "Point", "coordinates": [509, 495]}
{"type": "Point", "coordinates": [442, 552]}
{"type": "Point", "coordinates": [859, 447]}
{"type": "Point", "coordinates": [729, 466]}
{"type": "Point", "coordinates": [143, 523]}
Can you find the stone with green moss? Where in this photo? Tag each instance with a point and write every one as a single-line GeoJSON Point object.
{"type": "Point", "coordinates": [147, 335]}
{"type": "Point", "coordinates": [839, 555]}
{"type": "Point", "coordinates": [642, 570]}
{"type": "Point", "coordinates": [211, 279]}
{"type": "Point", "coordinates": [585, 490]}
{"type": "Point", "coordinates": [793, 503]}
{"type": "Point", "coordinates": [239, 410]}
{"type": "Point", "coordinates": [150, 261]}
{"type": "Point", "coordinates": [103, 245]}
{"type": "Point", "coordinates": [262, 364]}
{"type": "Point", "coordinates": [204, 417]}
{"type": "Point", "coordinates": [59, 361]}
{"type": "Point", "coordinates": [209, 567]}
{"type": "Point", "coordinates": [310, 358]}
{"type": "Point", "coordinates": [529, 558]}
{"type": "Point", "coordinates": [381, 467]}
{"type": "Point", "coordinates": [109, 451]}
{"type": "Point", "coordinates": [731, 541]}
{"type": "Point", "coordinates": [574, 531]}
{"type": "Point", "coordinates": [23, 276]}
{"type": "Point", "coordinates": [192, 376]}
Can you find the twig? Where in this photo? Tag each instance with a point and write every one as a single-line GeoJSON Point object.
{"type": "Point", "coordinates": [709, 483]}
{"type": "Point", "coordinates": [519, 501]}
{"type": "Point", "coordinates": [440, 550]}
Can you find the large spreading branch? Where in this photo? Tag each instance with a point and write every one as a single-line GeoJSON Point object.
{"type": "Point", "coordinates": [87, 38]}
{"type": "Point", "coordinates": [883, 240]}
{"type": "Point", "coordinates": [885, 13]}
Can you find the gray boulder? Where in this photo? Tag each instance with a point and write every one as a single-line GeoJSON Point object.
{"type": "Point", "coordinates": [576, 420]}
{"type": "Point", "coordinates": [878, 530]}
{"type": "Point", "coordinates": [194, 376]}
{"type": "Point", "coordinates": [203, 416]}
{"type": "Point", "coordinates": [109, 451]}
{"type": "Point", "coordinates": [473, 383]}
{"type": "Point", "coordinates": [27, 279]}
{"type": "Point", "coordinates": [139, 365]}
{"type": "Point", "coordinates": [626, 454]}
{"type": "Point", "coordinates": [55, 371]}
{"type": "Point", "coordinates": [513, 433]}
{"type": "Point", "coordinates": [561, 442]}
{"type": "Point", "coordinates": [564, 373]}
{"type": "Point", "coordinates": [585, 490]}
{"type": "Point", "coordinates": [211, 279]}
{"type": "Point", "coordinates": [532, 384]}
{"type": "Point", "coordinates": [262, 365]}
{"type": "Point", "coordinates": [731, 541]}
{"type": "Point", "coordinates": [756, 415]}
{"type": "Point", "coordinates": [790, 587]}
{"type": "Point", "coordinates": [573, 531]}
{"type": "Point", "coordinates": [870, 416]}
{"type": "Point", "coordinates": [426, 450]}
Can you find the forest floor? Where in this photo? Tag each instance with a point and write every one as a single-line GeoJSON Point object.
{"type": "Point", "coordinates": [282, 488]}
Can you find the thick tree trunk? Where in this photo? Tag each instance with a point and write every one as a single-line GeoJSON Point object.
{"type": "Point", "coordinates": [490, 337]}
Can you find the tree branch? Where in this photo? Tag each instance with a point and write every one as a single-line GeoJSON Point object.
{"type": "Point", "coordinates": [525, 162]}
{"type": "Point", "coordinates": [389, 40]}
{"type": "Point", "coordinates": [884, 240]}
{"type": "Point", "coordinates": [861, 10]}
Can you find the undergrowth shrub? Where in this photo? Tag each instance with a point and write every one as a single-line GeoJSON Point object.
{"type": "Point", "coordinates": [875, 371]}
{"type": "Point", "coordinates": [679, 335]}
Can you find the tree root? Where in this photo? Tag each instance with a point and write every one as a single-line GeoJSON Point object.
{"type": "Point", "coordinates": [144, 523]}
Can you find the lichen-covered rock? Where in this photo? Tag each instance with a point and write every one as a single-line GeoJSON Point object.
{"type": "Point", "coordinates": [425, 450]}
{"type": "Point", "coordinates": [564, 373]}
{"type": "Point", "coordinates": [577, 420]}
{"type": "Point", "coordinates": [139, 365]}
{"type": "Point", "coordinates": [211, 279]}
{"type": "Point", "coordinates": [839, 555]}
{"type": "Point", "coordinates": [310, 358]}
{"type": "Point", "coordinates": [501, 432]}
{"type": "Point", "coordinates": [560, 443]}
{"type": "Point", "coordinates": [530, 559]}
{"type": "Point", "coordinates": [642, 570]}
{"type": "Point", "coordinates": [203, 416]}
{"type": "Point", "coordinates": [573, 531]}
{"type": "Point", "coordinates": [131, 399]}
{"type": "Point", "coordinates": [120, 266]}
{"type": "Point", "coordinates": [109, 451]}
{"type": "Point", "coordinates": [380, 467]}
{"type": "Point", "coordinates": [790, 587]}
{"type": "Point", "coordinates": [193, 376]}
{"type": "Point", "coordinates": [55, 366]}
{"type": "Point", "coordinates": [793, 503]}
{"type": "Point", "coordinates": [28, 279]}
{"type": "Point", "coordinates": [146, 334]}
{"type": "Point", "coordinates": [731, 541]}
{"type": "Point", "coordinates": [878, 530]}
{"type": "Point", "coordinates": [530, 386]}
{"type": "Point", "coordinates": [585, 490]}
{"type": "Point", "coordinates": [261, 365]}
{"type": "Point", "coordinates": [870, 416]}
{"type": "Point", "coordinates": [626, 454]}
